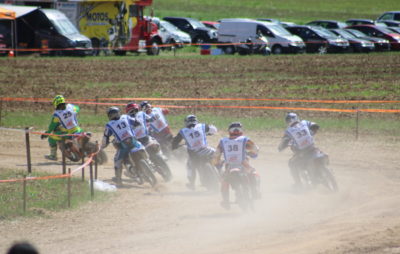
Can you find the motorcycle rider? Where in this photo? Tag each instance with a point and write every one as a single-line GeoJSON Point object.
{"type": "Point", "coordinates": [194, 134]}
{"type": "Point", "coordinates": [119, 126]}
{"type": "Point", "coordinates": [237, 149]}
{"type": "Point", "coordinates": [64, 121]}
{"type": "Point", "coordinates": [158, 125]}
{"type": "Point", "coordinates": [299, 136]}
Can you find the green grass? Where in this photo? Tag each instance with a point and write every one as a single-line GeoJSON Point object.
{"type": "Point", "coordinates": [43, 196]}
{"type": "Point", "coordinates": [96, 123]}
{"type": "Point", "coordinates": [289, 10]}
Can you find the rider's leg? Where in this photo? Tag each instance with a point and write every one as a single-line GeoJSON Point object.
{"type": "Point", "coordinates": [254, 180]}
{"type": "Point", "coordinates": [225, 203]}
{"type": "Point", "coordinates": [53, 149]}
{"type": "Point", "coordinates": [293, 165]}
{"type": "Point", "coordinates": [191, 174]}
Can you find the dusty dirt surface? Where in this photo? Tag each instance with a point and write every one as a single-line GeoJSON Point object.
{"type": "Point", "coordinates": [363, 217]}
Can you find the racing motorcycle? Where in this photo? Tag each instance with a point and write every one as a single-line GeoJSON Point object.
{"type": "Point", "coordinates": [157, 161]}
{"type": "Point", "coordinates": [79, 147]}
{"type": "Point", "coordinates": [138, 167]}
{"type": "Point", "coordinates": [258, 46]}
{"type": "Point", "coordinates": [313, 170]}
{"type": "Point", "coordinates": [209, 175]}
{"type": "Point", "coordinates": [239, 181]}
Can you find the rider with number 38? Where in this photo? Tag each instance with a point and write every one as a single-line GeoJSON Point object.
{"type": "Point", "coordinates": [237, 149]}
{"type": "Point", "coordinates": [299, 136]}
{"type": "Point", "coordinates": [119, 126]}
{"type": "Point", "coordinates": [63, 121]}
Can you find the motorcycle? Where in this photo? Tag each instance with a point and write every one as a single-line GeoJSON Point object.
{"type": "Point", "coordinates": [313, 170]}
{"type": "Point", "coordinates": [238, 179]}
{"type": "Point", "coordinates": [248, 47]}
{"type": "Point", "coordinates": [138, 167]}
{"type": "Point", "coordinates": [209, 175]}
{"type": "Point", "coordinates": [79, 147]}
{"type": "Point", "coordinates": [157, 161]}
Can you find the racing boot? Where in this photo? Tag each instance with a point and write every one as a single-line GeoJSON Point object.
{"type": "Point", "coordinates": [118, 177]}
{"type": "Point", "coordinates": [53, 154]}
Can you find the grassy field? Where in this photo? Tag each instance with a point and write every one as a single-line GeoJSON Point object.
{"type": "Point", "coordinates": [289, 10]}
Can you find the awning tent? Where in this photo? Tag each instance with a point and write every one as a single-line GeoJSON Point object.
{"type": "Point", "coordinates": [15, 15]}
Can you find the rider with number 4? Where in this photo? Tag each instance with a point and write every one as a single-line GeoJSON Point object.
{"type": "Point", "coordinates": [237, 149]}
{"type": "Point", "coordinates": [64, 121]}
{"type": "Point", "coordinates": [119, 126]}
{"type": "Point", "coordinates": [198, 150]}
{"type": "Point", "coordinates": [299, 136]}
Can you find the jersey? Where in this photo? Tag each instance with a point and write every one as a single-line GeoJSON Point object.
{"type": "Point", "coordinates": [159, 122]}
{"type": "Point", "coordinates": [300, 135]}
{"type": "Point", "coordinates": [141, 130]}
{"type": "Point", "coordinates": [234, 150]}
{"type": "Point", "coordinates": [66, 120]}
{"type": "Point", "coordinates": [121, 128]}
{"type": "Point", "coordinates": [195, 137]}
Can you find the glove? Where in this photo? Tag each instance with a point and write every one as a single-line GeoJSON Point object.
{"type": "Point", "coordinates": [43, 136]}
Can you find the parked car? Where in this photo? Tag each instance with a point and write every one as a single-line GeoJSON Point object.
{"type": "Point", "coordinates": [394, 29]}
{"type": "Point", "coordinates": [352, 22]}
{"type": "Point", "coordinates": [380, 44]}
{"type": "Point", "coordinates": [197, 30]}
{"type": "Point", "coordinates": [5, 37]}
{"type": "Point", "coordinates": [328, 24]}
{"type": "Point", "coordinates": [280, 40]}
{"type": "Point", "coordinates": [211, 24]}
{"type": "Point", "coordinates": [356, 44]}
{"type": "Point", "coordinates": [390, 18]}
{"type": "Point", "coordinates": [381, 32]}
{"type": "Point", "coordinates": [282, 23]}
{"type": "Point", "coordinates": [170, 34]}
{"type": "Point", "coordinates": [319, 39]}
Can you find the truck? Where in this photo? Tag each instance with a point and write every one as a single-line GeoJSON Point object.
{"type": "Point", "coordinates": [112, 25]}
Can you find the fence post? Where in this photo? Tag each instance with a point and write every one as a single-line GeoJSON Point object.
{"type": "Point", "coordinates": [28, 150]}
{"type": "Point", "coordinates": [1, 109]}
{"type": "Point", "coordinates": [83, 169]}
{"type": "Point", "coordinates": [69, 188]}
{"type": "Point", "coordinates": [91, 180]}
{"type": "Point", "coordinates": [357, 122]}
{"type": "Point", "coordinates": [96, 162]}
{"type": "Point", "coordinates": [63, 157]}
{"type": "Point", "coordinates": [24, 194]}
{"type": "Point", "coordinates": [95, 107]}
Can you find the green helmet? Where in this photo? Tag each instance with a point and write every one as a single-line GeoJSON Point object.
{"type": "Point", "coordinates": [59, 99]}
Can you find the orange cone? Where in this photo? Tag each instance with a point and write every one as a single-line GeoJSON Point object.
{"type": "Point", "coordinates": [11, 53]}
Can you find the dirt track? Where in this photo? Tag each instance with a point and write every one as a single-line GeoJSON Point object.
{"type": "Point", "coordinates": [362, 218]}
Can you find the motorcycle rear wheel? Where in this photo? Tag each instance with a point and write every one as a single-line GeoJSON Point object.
{"type": "Point", "coordinates": [146, 172]}
{"type": "Point", "coordinates": [161, 167]}
{"type": "Point", "coordinates": [328, 180]}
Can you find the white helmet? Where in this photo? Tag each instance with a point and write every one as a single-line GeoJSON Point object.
{"type": "Point", "coordinates": [291, 118]}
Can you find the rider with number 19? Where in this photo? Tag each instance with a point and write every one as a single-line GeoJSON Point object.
{"type": "Point", "coordinates": [64, 121]}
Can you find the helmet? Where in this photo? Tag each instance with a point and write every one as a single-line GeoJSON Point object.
{"type": "Point", "coordinates": [190, 121]}
{"type": "Point", "coordinates": [144, 105]}
{"type": "Point", "coordinates": [113, 113]}
{"type": "Point", "coordinates": [59, 99]}
{"type": "Point", "coordinates": [291, 118]}
{"type": "Point", "coordinates": [132, 108]}
{"type": "Point", "coordinates": [235, 129]}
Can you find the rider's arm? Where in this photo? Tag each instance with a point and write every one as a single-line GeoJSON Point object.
{"type": "Point", "coordinates": [55, 122]}
{"type": "Point", "coordinates": [165, 111]}
{"type": "Point", "coordinates": [76, 108]}
{"type": "Point", "coordinates": [284, 142]}
{"type": "Point", "coordinates": [211, 129]}
{"type": "Point", "coordinates": [313, 128]}
{"type": "Point", "coordinates": [106, 138]}
{"type": "Point", "coordinates": [216, 160]}
{"type": "Point", "coordinates": [175, 142]}
{"type": "Point", "coordinates": [251, 149]}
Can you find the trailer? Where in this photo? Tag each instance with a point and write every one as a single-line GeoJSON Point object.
{"type": "Point", "coordinates": [119, 26]}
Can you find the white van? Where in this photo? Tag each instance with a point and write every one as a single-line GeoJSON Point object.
{"type": "Point", "coordinates": [280, 40]}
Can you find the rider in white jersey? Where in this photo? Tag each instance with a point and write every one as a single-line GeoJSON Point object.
{"type": "Point", "coordinates": [236, 150]}
{"type": "Point", "coordinates": [158, 125]}
{"type": "Point", "coordinates": [120, 126]}
{"type": "Point", "coordinates": [194, 135]}
{"type": "Point", "coordinates": [299, 136]}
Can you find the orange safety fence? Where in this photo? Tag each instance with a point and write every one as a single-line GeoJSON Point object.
{"type": "Point", "coordinates": [92, 102]}
{"type": "Point", "coordinates": [87, 162]}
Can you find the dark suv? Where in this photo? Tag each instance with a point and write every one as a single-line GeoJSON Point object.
{"type": "Point", "coordinates": [319, 39]}
{"type": "Point", "coordinates": [390, 18]}
{"type": "Point", "coordinates": [197, 30]}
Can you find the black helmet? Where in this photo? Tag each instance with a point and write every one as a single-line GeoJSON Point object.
{"type": "Point", "coordinates": [235, 129]}
{"type": "Point", "coordinates": [190, 121]}
{"type": "Point", "coordinates": [113, 113]}
{"type": "Point", "coordinates": [145, 105]}
{"type": "Point", "coordinates": [291, 118]}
